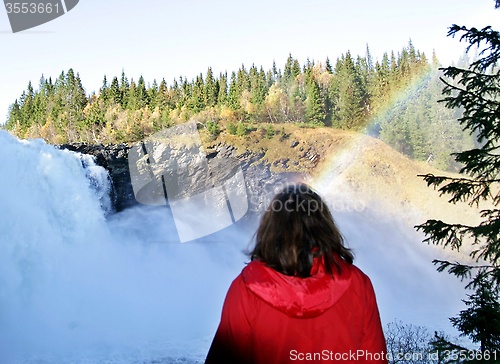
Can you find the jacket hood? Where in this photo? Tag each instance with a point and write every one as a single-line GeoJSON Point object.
{"type": "Point", "coordinates": [295, 296]}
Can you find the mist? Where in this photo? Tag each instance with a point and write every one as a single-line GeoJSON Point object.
{"type": "Point", "coordinates": [81, 284]}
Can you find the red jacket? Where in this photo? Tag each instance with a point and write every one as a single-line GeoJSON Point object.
{"type": "Point", "coordinates": [271, 318]}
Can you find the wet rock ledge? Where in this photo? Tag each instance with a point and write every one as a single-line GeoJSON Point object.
{"type": "Point", "coordinates": [260, 181]}
{"type": "Point", "coordinates": [114, 158]}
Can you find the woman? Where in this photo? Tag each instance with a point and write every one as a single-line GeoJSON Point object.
{"type": "Point", "coordinates": [300, 299]}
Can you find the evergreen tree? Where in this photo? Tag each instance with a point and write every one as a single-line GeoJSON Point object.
{"type": "Point", "coordinates": [210, 91]}
{"type": "Point", "coordinates": [269, 78]}
{"type": "Point", "coordinates": [258, 85]}
{"type": "Point", "coordinates": [60, 81]}
{"type": "Point", "coordinates": [364, 73]}
{"type": "Point", "coordinates": [58, 99]}
{"type": "Point", "coordinates": [75, 102]}
{"type": "Point", "coordinates": [196, 101]}
{"type": "Point", "coordinates": [176, 91]}
{"type": "Point", "coordinates": [103, 92]}
{"type": "Point", "coordinates": [14, 116]}
{"type": "Point", "coordinates": [26, 109]}
{"type": "Point", "coordinates": [243, 81]}
{"type": "Point", "coordinates": [124, 89]}
{"type": "Point", "coordinates": [222, 95]}
{"type": "Point", "coordinates": [233, 96]}
{"type": "Point", "coordinates": [421, 128]}
{"type": "Point", "coordinates": [403, 68]}
{"type": "Point", "coordinates": [162, 97]}
{"type": "Point", "coordinates": [296, 69]}
{"type": "Point", "coordinates": [477, 90]}
{"type": "Point", "coordinates": [380, 89]}
{"type": "Point", "coordinates": [276, 74]}
{"type": "Point", "coordinates": [131, 98]}
{"type": "Point", "coordinates": [263, 81]}
{"type": "Point", "coordinates": [288, 72]}
{"type": "Point", "coordinates": [481, 320]}
{"type": "Point", "coordinates": [40, 106]}
{"type": "Point", "coordinates": [369, 60]}
{"type": "Point", "coordinates": [141, 94]}
{"type": "Point", "coordinates": [477, 93]}
{"type": "Point", "coordinates": [328, 66]}
{"type": "Point", "coordinates": [394, 75]}
{"type": "Point", "coordinates": [347, 94]}
{"type": "Point", "coordinates": [184, 94]}
{"type": "Point", "coordinates": [292, 70]}
{"type": "Point", "coordinates": [94, 113]}
{"type": "Point", "coordinates": [114, 91]}
{"type": "Point", "coordinates": [79, 93]}
{"type": "Point", "coordinates": [152, 93]}
{"type": "Point", "coordinates": [315, 112]}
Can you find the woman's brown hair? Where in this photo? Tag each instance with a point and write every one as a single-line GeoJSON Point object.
{"type": "Point", "coordinates": [296, 228]}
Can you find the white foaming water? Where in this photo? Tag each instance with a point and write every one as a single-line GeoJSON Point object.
{"type": "Point", "coordinates": [78, 285]}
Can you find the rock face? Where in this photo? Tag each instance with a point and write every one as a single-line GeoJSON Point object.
{"type": "Point", "coordinates": [261, 183]}
{"type": "Point", "coordinates": [114, 158]}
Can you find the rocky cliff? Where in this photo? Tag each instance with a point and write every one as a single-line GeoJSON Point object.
{"type": "Point", "coordinates": [114, 158]}
{"type": "Point", "coordinates": [260, 178]}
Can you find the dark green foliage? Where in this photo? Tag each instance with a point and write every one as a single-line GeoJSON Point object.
{"type": "Point", "coordinates": [347, 93]}
{"type": "Point", "coordinates": [124, 89]}
{"type": "Point", "coordinates": [270, 132]}
{"type": "Point", "coordinates": [196, 101]}
{"type": "Point", "coordinates": [141, 95]}
{"type": "Point", "coordinates": [131, 96]}
{"type": "Point", "coordinates": [15, 115]}
{"type": "Point", "coordinates": [115, 93]}
{"type": "Point", "coordinates": [481, 323]}
{"type": "Point", "coordinates": [476, 90]}
{"type": "Point", "coordinates": [420, 127]}
{"type": "Point", "coordinates": [233, 96]}
{"type": "Point", "coordinates": [213, 128]}
{"type": "Point", "coordinates": [346, 96]}
{"type": "Point", "coordinates": [152, 93]}
{"type": "Point", "coordinates": [415, 123]}
{"type": "Point", "coordinates": [242, 129]}
{"type": "Point", "coordinates": [328, 66]}
{"type": "Point", "coordinates": [231, 128]}
{"type": "Point", "coordinates": [481, 320]}
{"type": "Point", "coordinates": [258, 85]}
{"type": "Point", "coordinates": [222, 89]}
{"type": "Point", "coordinates": [95, 114]}
{"type": "Point", "coordinates": [211, 89]}
{"type": "Point", "coordinates": [163, 101]}
{"type": "Point", "coordinates": [243, 81]}
{"type": "Point", "coordinates": [315, 108]}
{"type": "Point", "coordinates": [288, 73]}
{"type": "Point", "coordinates": [103, 92]}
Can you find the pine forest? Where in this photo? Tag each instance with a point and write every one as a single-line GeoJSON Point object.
{"type": "Point", "coordinates": [394, 99]}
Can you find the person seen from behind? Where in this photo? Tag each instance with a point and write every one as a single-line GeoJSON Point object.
{"type": "Point", "coordinates": [300, 299]}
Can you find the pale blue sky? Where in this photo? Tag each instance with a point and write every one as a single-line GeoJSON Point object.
{"type": "Point", "coordinates": [166, 39]}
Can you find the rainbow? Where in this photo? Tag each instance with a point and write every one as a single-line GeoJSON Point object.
{"type": "Point", "coordinates": [327, 177]}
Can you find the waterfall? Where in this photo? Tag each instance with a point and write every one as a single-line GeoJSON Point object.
{"type": "Point", "coordinates": [80, 284]}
